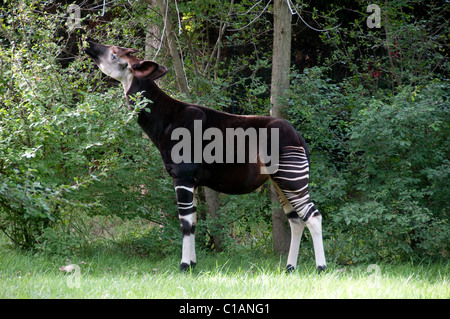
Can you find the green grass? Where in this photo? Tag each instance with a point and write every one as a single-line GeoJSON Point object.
{"type": "Point", "coordinates": [109, 274]}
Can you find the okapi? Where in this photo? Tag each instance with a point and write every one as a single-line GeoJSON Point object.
{"type": "Point", "coordinates": [169, 117]}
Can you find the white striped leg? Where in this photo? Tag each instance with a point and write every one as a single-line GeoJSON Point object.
{"type": "Point", "coordinates": [188, 248]}
{"type": "Point", "coordinates": [292, 180]}
{"type": "Point", "coordinates": [314, 225]}
{"type": "Point", "coordinates": [187, 215]}
{"type": "Point", "coordinates": [192, 236]}
{"type": "Point", "coordinates": [297, 226]}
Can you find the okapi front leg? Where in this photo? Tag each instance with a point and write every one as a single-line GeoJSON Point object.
{"type": "Point", "coordinates": [187, 214]}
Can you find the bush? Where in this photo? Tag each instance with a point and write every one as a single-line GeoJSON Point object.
{"type": "Point", "coordinates": [242, 221]}
{"type": "Point", "coordinates": [63, 149]}
{"type": "Point", "coordinates": [380, 168]}
{"type": "Point", "coordinates": [395, 147]}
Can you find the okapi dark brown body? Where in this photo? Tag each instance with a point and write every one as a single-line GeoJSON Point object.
{"type": "Point", "coordinates": [168, 116]}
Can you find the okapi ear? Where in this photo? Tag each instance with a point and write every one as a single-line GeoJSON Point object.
{"type": "Point", "coordinates": [129, 51]}
{"type": "Point", "coordinates": [150, 69]}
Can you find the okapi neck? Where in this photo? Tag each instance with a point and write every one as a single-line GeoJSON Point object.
{"type": "Point", "coordinates": [148, 88]}
{"type": "Point", "coordinates": [162, 108]}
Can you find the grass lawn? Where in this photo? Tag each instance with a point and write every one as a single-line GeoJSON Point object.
{"type": "Point", "coordinates": [109, 274]}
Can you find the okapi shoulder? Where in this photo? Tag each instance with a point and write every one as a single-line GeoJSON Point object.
{"type": "Point", "coordinates": [189, 113]}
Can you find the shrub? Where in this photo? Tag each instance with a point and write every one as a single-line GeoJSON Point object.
{"type": "Point", "coordinates": [395, 146]}
{"type": "Point", "coordinates": [379, 170]}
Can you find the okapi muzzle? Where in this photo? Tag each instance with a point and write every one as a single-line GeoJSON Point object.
{"type": "Point", "coordinates": [173, 126]}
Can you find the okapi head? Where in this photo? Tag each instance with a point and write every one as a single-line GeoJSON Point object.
{"type": "Point", "coordinates": [120, 64]}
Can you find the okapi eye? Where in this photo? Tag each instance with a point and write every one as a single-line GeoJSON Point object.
{"type": "Point", "coordinates": [113, 56]}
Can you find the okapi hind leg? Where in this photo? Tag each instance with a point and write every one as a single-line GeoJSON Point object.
{"type": "Point", "coordinates": [291, 180]}
{"type": "Point", "coordinates": [314, 224]}
{"type": "Point", "coordinates": [296, 225]}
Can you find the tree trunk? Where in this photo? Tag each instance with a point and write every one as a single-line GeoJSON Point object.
{"type": "Point", "coordinates": [213, 204]}
{"type": "Point", "coordinates": [280, 84]}
{"type": "Point", "coordinates": [152, 36]}
{"type": "Point", "coordinates": [211, 196]}
{"type": "Point", "coordinates": [172, 44]}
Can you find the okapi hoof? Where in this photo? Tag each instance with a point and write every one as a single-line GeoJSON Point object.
{"type": "Point", "coordinates": [289, 269]}
{"type": "Point", "coordinates": [321, 269]}
{"type": "Point", "coordinates": [184, 267]}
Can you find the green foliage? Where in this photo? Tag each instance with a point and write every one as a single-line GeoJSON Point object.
{"type": "Point", "coordinates": [395, 146]}
{"type": "Point", "coordinates": [379, 168]}
{"type": "Point", "coordinates": [379, 135]}
{"type": "Point", "coordinates": [242, 221]}
{"type": "Point", "coordinates": [65, 146]}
